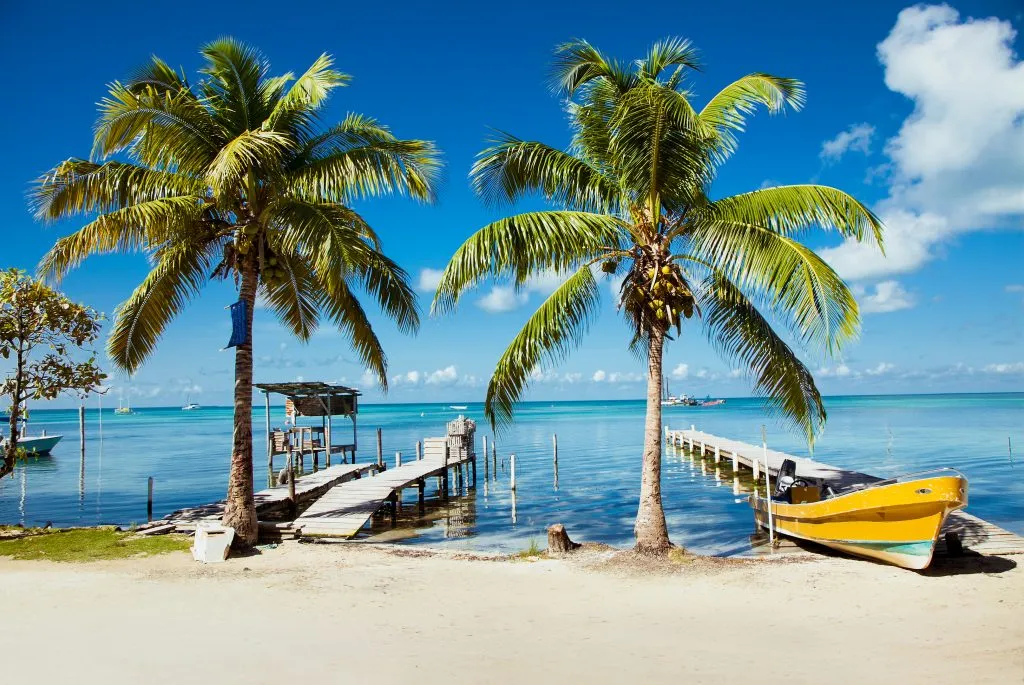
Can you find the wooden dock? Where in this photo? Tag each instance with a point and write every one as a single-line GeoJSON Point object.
{"type": "Point", "coordinates": [344, 510]}
{"type": "Point", "coordinates": [976, 534]}
{"type": "Point", "coordinates": [275, 499]}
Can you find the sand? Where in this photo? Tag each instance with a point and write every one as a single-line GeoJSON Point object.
{"type": "Point", "coordinates": [359, 614]}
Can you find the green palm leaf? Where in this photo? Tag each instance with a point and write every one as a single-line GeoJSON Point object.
{"type": "Point", "coordinates": [523, 245]}
{"type": "Point", "coordinates": [547, 337]}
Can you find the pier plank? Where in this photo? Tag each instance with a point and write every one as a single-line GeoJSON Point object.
{"type": "Point", "coordinates": [307, 487]}
{"type": "Point", "coordinates": [345, 508]}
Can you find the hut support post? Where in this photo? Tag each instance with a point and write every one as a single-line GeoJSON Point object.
{"type": "Point", "coordinates": [327, 438]}
{"type": "Point", "coordinates": [270, 441]}
{"type": "Point", "coordinates": [380, 449]}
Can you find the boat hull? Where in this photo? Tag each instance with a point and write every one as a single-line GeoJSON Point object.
{"type": "Point", "coordinates": [897, 523]}
{"type": "Point", "coordinates": [39, 445]}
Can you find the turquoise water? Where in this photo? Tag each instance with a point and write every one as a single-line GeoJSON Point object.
{"type": "Point", "coordinates": [599, 456]}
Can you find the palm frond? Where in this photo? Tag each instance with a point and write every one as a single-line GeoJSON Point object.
{"type": "Point", "coordinates": [132, 228]}
{"type": "Point", "coordinates": [77, 186]}
{"type": "Point", "coordinates": [389, 285]}
{"type": "Point", "coordinates": [787, 210]}
{"type": "Point", "coordinates": [670, 52]}
{"type": "Point", "coordinates": [293, 300]}
{"type": "Point", "coordinates": [342, 307]}
{"type": "Point", "coordinates": [306, 95]}
{"type": "Point", "coordinates": [548, 336]}
{"type": "Point", "coordinates": [728, 110]}
{"type": "Point", "coordinates": [179, 274]}
{"type": "Point", "coordinates": [578, 63]}
{"type": "Point", "coordinates": [159, 76]}
{"type": "Point", "coordinates": [253, 151]}
{"type": "Point", "coordinates": [788, 276]}
{"type": "Point", "coordinates": [235, 72]}
{"type": "Point", "coordinates": [514, 168]}
{"type": "Point", "coordinates": [522, 245]}
{"type": "Point", "coordinates": [740, 333]}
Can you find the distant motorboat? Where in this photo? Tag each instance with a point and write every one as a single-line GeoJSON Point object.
{"type": "Point", "coordinates": [712, 403]}
{"type": "Point", "coordinates": [458, 406]}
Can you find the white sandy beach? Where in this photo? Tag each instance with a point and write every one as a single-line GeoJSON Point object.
{"type": "Point", "coordinates": [355, 614]}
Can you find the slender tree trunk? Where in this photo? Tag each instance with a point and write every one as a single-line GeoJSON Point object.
{"type": "Point", "coordinates": [11, 448]}
{"type": "Point", "coordinates": [650, 529]}
{"type": "Point", "coordinates": [240, 510]}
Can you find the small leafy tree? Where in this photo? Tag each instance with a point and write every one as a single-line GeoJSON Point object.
{"type": "Point", "coordinates": [36, 318]}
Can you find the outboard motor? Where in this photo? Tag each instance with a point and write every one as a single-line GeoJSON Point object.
{"type": "Point", "coordinates": [784, 481]}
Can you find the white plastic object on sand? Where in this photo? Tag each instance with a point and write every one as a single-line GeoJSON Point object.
{"type": "Point", "coordinates": [212, 543]}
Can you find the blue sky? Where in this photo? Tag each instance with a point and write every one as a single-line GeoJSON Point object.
{"type": "Point", "coordinates": [916, 110]}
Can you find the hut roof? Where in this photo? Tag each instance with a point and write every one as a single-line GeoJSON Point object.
{"type": "Point", "coordinates": [316, 399]}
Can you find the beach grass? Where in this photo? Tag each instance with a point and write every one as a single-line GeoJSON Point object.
{"type": "Point", "coordinates": [87, 544]}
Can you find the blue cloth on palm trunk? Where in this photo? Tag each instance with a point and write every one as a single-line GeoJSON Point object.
{"type": "Point", "coordinates": [238, 327]}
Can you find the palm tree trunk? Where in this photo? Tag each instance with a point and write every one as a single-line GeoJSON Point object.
{"type": "Point", "coordinates": [650, 529]}
{"type": "Point", "coordinates": [240, 509]}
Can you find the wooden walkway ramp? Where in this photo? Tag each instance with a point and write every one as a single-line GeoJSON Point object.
{"type": "Point", "coordinates": [345, 509]}
{"type": "Point", "coordinates": [976, 534]}
{"type": "Point", "coordinates": [307, 487]}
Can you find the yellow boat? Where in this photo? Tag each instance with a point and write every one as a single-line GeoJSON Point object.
{"type": "Point", "coordinates": [896, 521]}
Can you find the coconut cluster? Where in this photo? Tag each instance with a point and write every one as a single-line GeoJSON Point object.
{"type": "Point", "coordinates": [272, 270]}
{"type": "Point", "coordinates": [657, 296]}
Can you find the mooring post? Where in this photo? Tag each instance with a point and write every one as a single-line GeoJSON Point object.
{"type": "Point", "coordinates": [380, 449]}
{"type": "Point", "coordinates": [512, 466]}
{"type": "Point", "coordinates": [718, 454]}
{"type": "Point", "coordinates": [419, 450]}
{"type": "Point", "coordinates": [398, 458]}
{"type": "Point", "coordinates": [735, 462]}
{"type": "Point", "coordinates": [421, 485]}
{"type": "Point", "coordinates": [444, 474]}
{"type": "Point", "coordinates": [270, 438]}
{"type": "Point", "coordinates": [494, 462]}
{"type": "Point", "coordinates": [81, 430]}
{"type": "Point", "coordinates": [149, 501]}
{"type": "Point", "coordinates": [291, 479]}
{"type": "Point", "coordinates": [757, 474]}
{"type": "Point", "coordinates": [486, 453]}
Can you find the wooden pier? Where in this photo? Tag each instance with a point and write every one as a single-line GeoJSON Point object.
{"type": "Point", "coordinates": [976, 534]}
{"type": "Point", "coordinates": [276, 499]}
{"type": "Point", "coordinates": [344, 510]}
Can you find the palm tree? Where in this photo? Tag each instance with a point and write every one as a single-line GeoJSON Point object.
{"type": "Point", "coordinates": [234, 177]}
{"type": "Point", "coordinates": [633, 199]}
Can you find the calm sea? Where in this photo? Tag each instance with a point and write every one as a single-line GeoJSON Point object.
{"type": "Point", "coordinates": [599, 458]}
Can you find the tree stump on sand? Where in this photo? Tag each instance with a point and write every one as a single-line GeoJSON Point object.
{"type": "Point", "coordinates": [558, 540]}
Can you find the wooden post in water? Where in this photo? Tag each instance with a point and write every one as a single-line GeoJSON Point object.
{"type": "Point", "coordinates": [291, 480]}
{"type": "Point", "coordinates": [757, 474]}
{"type": "Point", "coordinates": [380, 449]}
{"type": "Point", "coordinates": [735, 462]}
{"type": "Point", "coordinates": [419, 451]}
{"type": "Point", "coordinates": [494, 462]}
{"type": "Point", "coordinates": [149, 500]}
{"type": "Point", "coordinates": [421, 485]}
{"type": "Point", "coordinates": [398, 458]}
{"type": "Point", "coordinates": [81, 430]}
{"type": "Point", "coordinates": [718, 454]}
{"type": "Point", "coordinates": [270, 441]}
{"type": "Point", "coordinates": [444, 474]}
{"type": "Point", "coordinates": [554, 444]}
{"type": "Point", "coordinates": [512, 466]}
{"type": "Point", "coordinates": [485, 448]}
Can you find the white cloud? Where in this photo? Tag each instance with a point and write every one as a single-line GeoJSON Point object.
{"type": "Point", "coordinates": [735, 373]}
{"type": "Point", "coordinates": [957, 163]}
{"type": "Point", "coordinates": [502, 299]}
{"type": "Point", "coordinates": [574, 377]}
{"type": "Point", "coordinates": [882, 369]}
{"type": "Point", "coordinates": [368, 378]}
{"type": "Point", "coordinates": [444, 376]}
{"type": "Point", "coordinates": [888, 296]}
{"type": "Point", "coordinates": [599, 376]}
{"type": "Point", "coordinates": [680, 372]}
{"type": "Point", "coordinates": [857, 138]}
{"type": "Point", "coordinates": [1015, 288]}
{"type": "Point", "coordinates": [429, 279]}
{"type": "Point", "coordinates": [625, 377]}
{"type": "Point", "coordinates": [841, 371]}
{"type": "Point", "coordinates": [1017, 367]}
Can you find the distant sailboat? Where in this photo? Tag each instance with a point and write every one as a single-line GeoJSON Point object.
{"type": "Point", "coordinates": [190, 405]}
{"type": "Point", "coordinates": [122, 407]}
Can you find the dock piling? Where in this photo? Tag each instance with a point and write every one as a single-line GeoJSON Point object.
{"type": "Point", "coordinates": [419, 451]}
{"type": "Point", "coordinates": [398, 459]}
{"type": "Point", "coordinates": [149, 500]}
{"type": "Point", "coordinates": [380, 448]}
{"type": "Point", "coordinates": [554, 442]}
{"type": "Point", "coordinates": [512, 467]}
